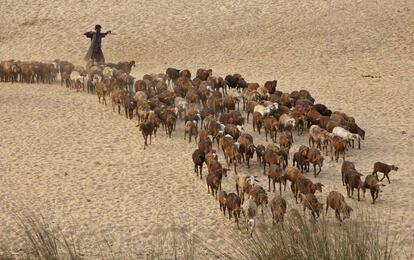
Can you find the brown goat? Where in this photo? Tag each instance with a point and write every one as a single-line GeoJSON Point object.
{"type": "Point", "coordinates": [146, 129]}
{"type": "Point", "coordinates": [192, 130]}
{"type": "Point", "coordinates": [116, 98]}
{"type": "Point", "coordinates": [242, 185]}
{"type": "Point", "coordinates": [311, 202]}
{"type": "Point", "coordinates": [384, 168]}
{"type": "Point", "coordinates": [313, 117]}
{"type": "Point", "coordinates": [339, 146]}
{"type": "Point", "coordinates": [260, 151]}
{"type": "Point", "coordinates": [170, 121]}
{"type": "Point", "coordinates": [276, 174]}
{"type": "Point", "coordinates": [336, 201]}
{"type": "Point", "coordinates": [205, 145]}
{"type": "Point", "coordinates": [211, 158]}
{"type": "Point", "coordinates": [315, 158]}
{"type": "Point", "coordinates": [225, 142]}
{"type": "Point", "coordinates": [371, 183]}
{"type": "Point", "coordinates": [247, 148]}
{"type": "Point", "coordinates": [233, 155]}
{"type": "Point", "coordinates": [199, 157]}
{"type": "Point", "coordinates": [222, 201]}
{"type": "Point", "coordinates": [346, 168]}
{"type": "Point", "coordinates": [214, 178]}
{"type": "Point", "coordinates": [300, 161]}
{"type": "Point", "coordinates": [101, 92]}
{"type": "Point", "coordinates": [285, 140]}
{"type": "Point", "coordinates": [257, 121]}
{"type": "Point", "coordinates": [278, 207]}
{"type": "Point", "coordinates": [270, 125]}
{"type": "Point", "coordinates": [271, 157]}
{"type": "Point", "coordinates": [233, 130]}
{"type": "Point", "coordinates": [305, 186]}
{"type": "Point", "coordinates": [258, 194]}
{"type": "Point", "coordinates": [353, 181]}
{"type": "Point", "coordinates": [292, 174]}
{"type": "Point", "coordinates": [233, 203]}
{"type": "Point", "coordinates": [216, 168]}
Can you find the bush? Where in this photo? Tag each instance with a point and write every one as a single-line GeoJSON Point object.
{"type": "Point", "coordinates": [298, 239]}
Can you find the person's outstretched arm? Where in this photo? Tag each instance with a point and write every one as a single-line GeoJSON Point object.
{"type": "Point", "coordinates": [105, 33]}
{"type": "Point", "coordinates": [88, 34]}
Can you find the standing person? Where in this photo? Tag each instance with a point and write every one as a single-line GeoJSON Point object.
{"type": "Point", "coordinates": [95, 51]}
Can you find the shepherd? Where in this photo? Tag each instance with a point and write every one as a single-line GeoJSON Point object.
{"type": "Point", "coordinates": [95, 51]}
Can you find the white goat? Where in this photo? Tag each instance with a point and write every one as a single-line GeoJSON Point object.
{"type": "Point", "coordinates": [242, 181]}
{"type": "Point", "coordinates": [287, 122]}
{"type": "Point", "coordinates": [345, 134]}
{"type": "Point", "coordinates": [240, 128]}
{"type": "Point", "coordinates": [262, 110]}
{"type": "Point", "coordinates": [181, 104]}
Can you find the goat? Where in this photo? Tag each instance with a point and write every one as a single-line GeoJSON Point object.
{"type": "Point", "coordinates": [101, 92]}
{"type": "Point", "coordinates": [213, 182]}
{"type": "Point", "coordinates": [260, 151]}
{"type": "Point", "coordinates": [292, 174]}
{"type": "Point", "coordinates": [192, 130]}
{"type": "Point", "coordinates": [257, 121]}
{"type": "Point", "coordinates": [300, 161]}
{"type": "Point", "coordinates": [233, 203]}
{"type": "Point", "coordinates": [116, 99]}
{"type": "Point", "coordinates": [276, 174]}
{"type": "Point", "coordinates": [384, 168]}
{"type": "Point", "coordinates": [270, 127]}
{"type": "Point", "coordinates": [217, 170]}
{"type": "Point", "coordinates": [311, 202]}
{"type": "Point", "coordinates": [233, 155]}
{"type": "Point", "coordinates": [285, 140]}
{"type": "Point", "coordinates": [346, 168]}
{"type": "Point", "coordinates": [222, 201]}
{"type": "Point", "coordinates": [199, 157]}
{"type": "Point", "coordinates": [271, 157]}
{"type": "Point", "coordinates": [371, 182]}
{"type": "Point", "coordinates": [146, 129]}
{"type": "Point", "coordinates": [247, 148]}
{"type": "Point", "coordinates": [353, 181]}
{"type": "Point", "coordinates": [339, 146]}
{"type": "Point", "coordinates": [249, 210]}
{"type": "Point", "coordinates": [259, 196]}
{"type": "Point", "coordinates": [315, 158]}
{"type": "Point", "coordinates": [304, 185]}
{"type": "Point", "coordinates": [278, 208]}
{"type": "Point", "coordinates": [287, 123]}
{"type": "Point", "coordinates": [336, 201]}
{"type": "Point", "coordinates": [314, 136]}
{"type": "Point", "coordinates": [346, 135]}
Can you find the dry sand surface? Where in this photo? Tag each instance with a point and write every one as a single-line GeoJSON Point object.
{"type": "Point", "coordinates": [83, 166]}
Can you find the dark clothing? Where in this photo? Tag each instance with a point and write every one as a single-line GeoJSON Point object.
{"type": "Point", "coordinates": [95, 50]}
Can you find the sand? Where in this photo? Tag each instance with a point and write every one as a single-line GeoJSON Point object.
{"type": "Point", "coordinates": [83, 167]}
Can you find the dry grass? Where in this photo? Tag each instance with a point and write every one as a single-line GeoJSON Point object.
{"type": "Point", "coordinates": [297, 238]}
{"type": "Point", "coordinates": [362, 238]}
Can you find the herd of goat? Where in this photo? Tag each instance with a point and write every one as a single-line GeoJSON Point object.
{"type": "Point", "coordinates": [210, 108]}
